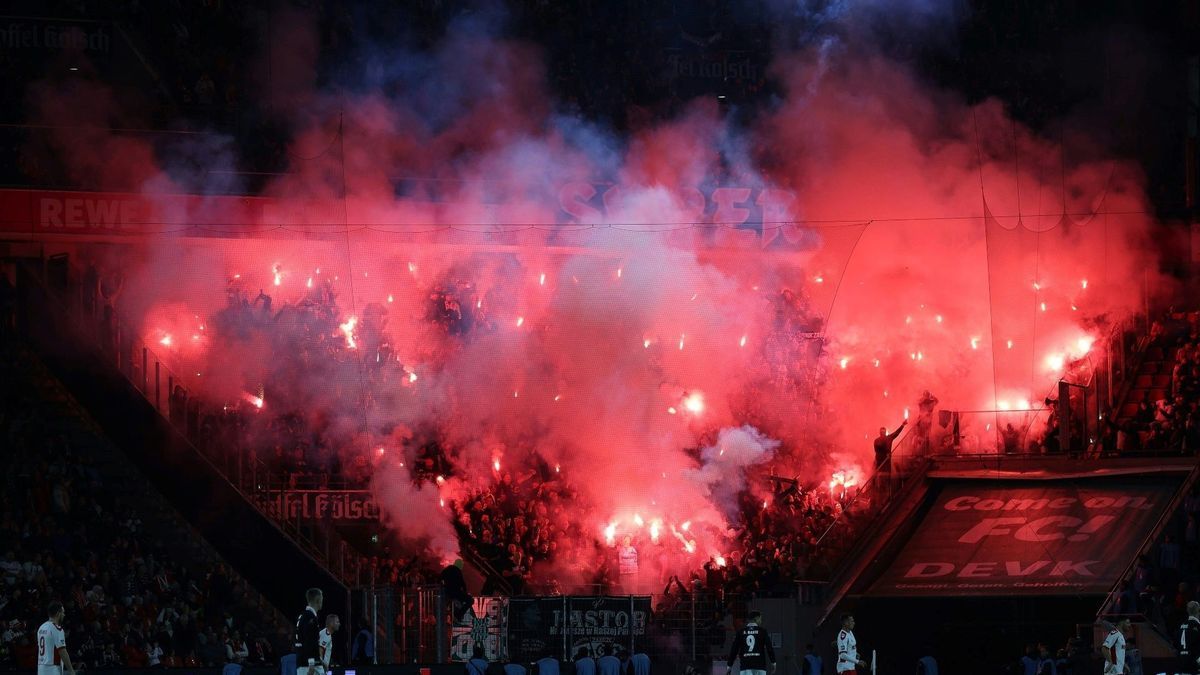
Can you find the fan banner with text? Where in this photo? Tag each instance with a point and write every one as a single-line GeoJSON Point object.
{"type": "Point", "coordinates": [1051, 539]}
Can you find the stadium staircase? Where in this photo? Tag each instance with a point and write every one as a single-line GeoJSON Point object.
{"type": "Point", "coordinates": [883, 509]}
{"type": "Point", "coordinates": [1151, 382]}
{"type": "Point", "coordinates": [129, 405]}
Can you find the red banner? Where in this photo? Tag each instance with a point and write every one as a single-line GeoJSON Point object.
{"type": "Point", "coordinates": [751, 218]}
{"type": "Point", "coordinates": [1026, 539]}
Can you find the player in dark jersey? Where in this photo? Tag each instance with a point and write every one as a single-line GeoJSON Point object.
{"type": "Point", "coordinates": [752, 648]}
{"type": "Point", "coordinates": [308, 657]}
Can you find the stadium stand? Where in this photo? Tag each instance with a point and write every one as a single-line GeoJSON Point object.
{"type": "Point", "coordinates": [81, 525]}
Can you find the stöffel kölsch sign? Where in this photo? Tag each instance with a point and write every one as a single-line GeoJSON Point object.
{"type": "Point", "coordinates": [1026, 539]}
{"type": "Point", "coordinates": [324, 504]}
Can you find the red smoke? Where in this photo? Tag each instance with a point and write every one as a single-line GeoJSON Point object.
{"type": "Point", "coordinates": [654, 364]}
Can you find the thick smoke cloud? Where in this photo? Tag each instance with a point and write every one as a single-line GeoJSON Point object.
{"type": "Point", "coordinates": [659, 368]}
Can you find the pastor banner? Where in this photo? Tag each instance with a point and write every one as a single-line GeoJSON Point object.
{"type": "Point", "coordinates": [486, 629]}
{"type": "Point", "coordinates": [529, 626]}
{"type": "Point", "coordinates": [540, 626]}
{"type": "Point", "coordinates": [1025, 539]}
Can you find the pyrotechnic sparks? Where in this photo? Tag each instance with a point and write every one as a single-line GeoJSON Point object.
{"type": "Point", "coordinates": [165, 341]}
{"type": "Point", "coordinates": [256, 401]}
{"type": "Point", "coordinates": [585, 339]}
{"type": "Point", "coordinates": [610, 534]}
{"type": "Point", "coordinates": [841, 481]}
{"type": "Point", "coordinates": [637, 520]}
{"type": "Point", "coordinates": [348, 331]}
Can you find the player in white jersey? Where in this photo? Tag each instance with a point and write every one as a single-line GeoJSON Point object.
{"type": "Point", "coordinates": [52, 644]}
{"type": "Point", "coordinates": [1114, 649]}
{"type": "Point", "coordinates": [847, 647]}
{"type": "Point", "coordinates": [325, 640]}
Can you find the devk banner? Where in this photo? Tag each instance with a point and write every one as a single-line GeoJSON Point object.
{"type": "Point", "coordinates": [1026, 539]}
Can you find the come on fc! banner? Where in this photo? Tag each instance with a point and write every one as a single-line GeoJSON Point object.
{"type": "Point", "coordinates": [1056, 539]}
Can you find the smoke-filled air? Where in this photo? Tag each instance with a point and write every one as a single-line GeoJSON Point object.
{"type": "Point", "coordinates": [632, 331]}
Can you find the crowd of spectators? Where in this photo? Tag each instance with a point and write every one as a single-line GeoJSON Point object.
{"type": "Point", "coordinates": [77, 527]}
{"type": "Point", "coordinates": [1166, 577]}
{"type": "Point", "coordinates": [516, 523]}
{"type": "Point", "coordinates": [509, 524]}
{"type": "Point", "coordinates": [1164, 414]}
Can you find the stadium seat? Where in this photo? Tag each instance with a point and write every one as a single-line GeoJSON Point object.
{"type": "Point", "coordinates": [1128, 410]}
{"type": "Point", "coordinates": [287, 664]}
{"type": "Point", "coordinates": [1143, 381]}
{"type": "Point", "coordinates": [1162, 380]}
{"type": "Point", "coordinates": [231, 669]}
